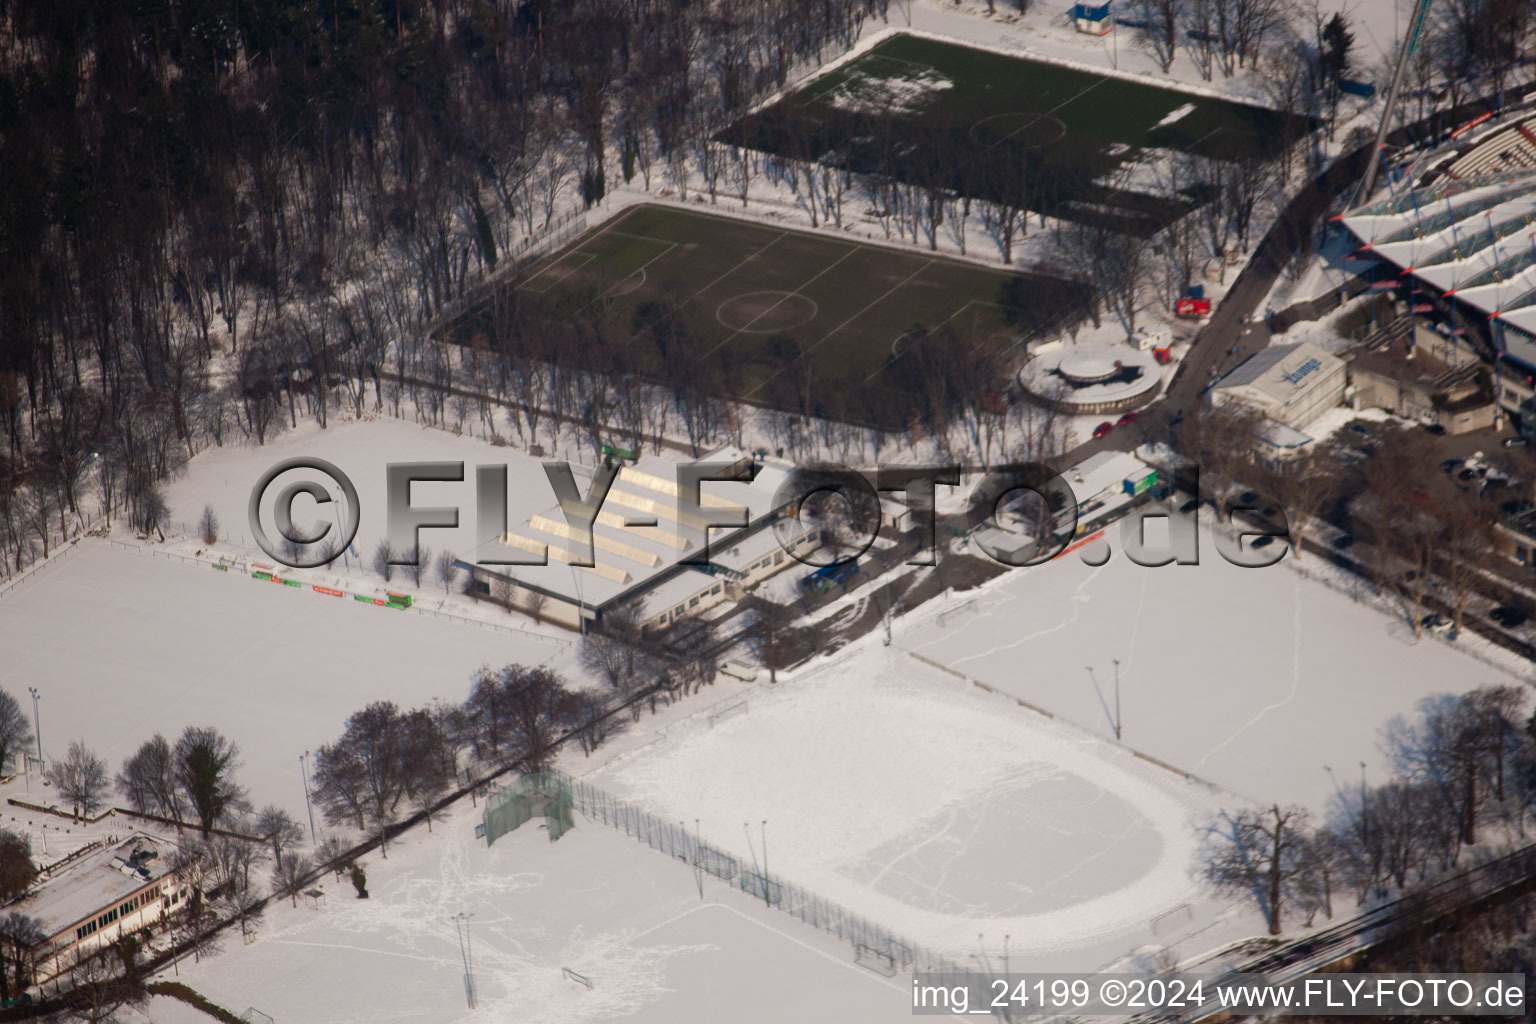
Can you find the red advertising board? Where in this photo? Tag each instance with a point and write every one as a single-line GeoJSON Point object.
{"type": "Point", "coordinates": [1192, 307]}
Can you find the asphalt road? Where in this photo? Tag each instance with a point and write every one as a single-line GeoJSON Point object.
{"type": "Point", "coordinates": [1231, 328]}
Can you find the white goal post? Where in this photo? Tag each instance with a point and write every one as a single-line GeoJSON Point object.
{"type": "Point", "coordinates": [944, 617]}
{"type": "Point", "coordinates": [877, 960]}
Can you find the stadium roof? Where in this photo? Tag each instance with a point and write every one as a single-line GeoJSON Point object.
{"type": "Point", "coordinates": [1475, 241]}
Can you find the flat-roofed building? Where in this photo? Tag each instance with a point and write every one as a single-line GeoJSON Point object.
{"type": "Point", "coordinates": [102, 893]}
{"type": "Point", "coordinates": [1290, 384]}
{"type": "Point", "coordinates": [647, 545]}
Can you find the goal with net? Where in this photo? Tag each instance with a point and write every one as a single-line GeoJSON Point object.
{"type": "Point", "coordinates": [950, 614]}
{"type": "Point", "coordinates": [538, 793]}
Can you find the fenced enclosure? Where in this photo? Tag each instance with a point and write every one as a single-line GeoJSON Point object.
{"type": "Point", "coordinates": [533, 795]}
{"type": "Point", "coordinates": [872, 944]}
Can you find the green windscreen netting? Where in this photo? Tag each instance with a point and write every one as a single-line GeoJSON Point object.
{"type": "Point", "coordinates": [546, 794]}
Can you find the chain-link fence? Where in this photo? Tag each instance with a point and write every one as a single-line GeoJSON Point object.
{"type": "Point", "coordinates": [539, 793]}
{"type": "Point", "coordinates": [674, 839]}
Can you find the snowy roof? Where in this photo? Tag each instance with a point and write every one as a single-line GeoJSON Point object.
{"type": "Point", "coordinates": [1281, 372]}
{"type": "Point", "coordinates": [97, 882]}
{"type": "Point", "coordinates": [1281, 436]}
{"type": "Point", "coordinates": [1474, 239]}
{"type": "Point", "coordinates": [643, 528]}
{"type": "Point", "coordinates": [1101, 472]}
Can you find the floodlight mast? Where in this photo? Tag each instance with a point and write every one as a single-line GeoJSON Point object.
{"type": "Point", "coordinates": [1410, 44]}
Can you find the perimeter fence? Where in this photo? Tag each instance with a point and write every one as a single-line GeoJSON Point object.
{"type": "Point", "coordinates": [675, 840]}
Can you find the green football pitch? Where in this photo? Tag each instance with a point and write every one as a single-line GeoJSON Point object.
{"type": "Point", "coordinates": [792, 318]}
{"type": "Point", "coordinates": [984, 122]}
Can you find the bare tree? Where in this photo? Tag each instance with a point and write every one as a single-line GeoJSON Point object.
{"type": "Point", "coordinates": [1161, 22]}
{"type": "Point", "coordinates": [148, 780]}
{"type": "Point", "coordinates": [448, 570]}
{"type": "Point", "coordinates": [279, 827]}
{"type": "Point", "coordinates": [421, 559]}
{"type": "Point", "coordinates": [290, 874]}
{"type": "Point", "coordinates": [1306, 486]}
{"type": "Point", "coordinates": [15, 730]}
{"type": "Point", "coordinates": [1259, 854]}
{"type": "Point", "coordinates": [208, 526]}
{"type": "Point", "coordinates": [81, 779]}
{"type": "Point", "coordinates": [206, 762]}
{"type": "Point", "coordinates": [384, 560]}
{"type": "Point", "coordinates": [20, 934]}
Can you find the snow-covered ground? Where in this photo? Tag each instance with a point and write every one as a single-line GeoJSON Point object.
{"type": "Point", "coordinates": [1258, 680]}
{"type": "Point", "coordinates": [919, 802]}
{"type": "Point", "coordinates": [223, 478]}
{"type": "Point", "coordinates": [630, 920]}
{"type": "Point", "coordinates": [122, 645]}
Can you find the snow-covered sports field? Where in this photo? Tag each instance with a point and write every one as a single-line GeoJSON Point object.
{"type": "Point", "coordinates": [1255, 679]}
{"type": "Point", "coordinates": [122, 646]}
{"type": "Point", "coordinates": [927, 806]}
{"type": "Point", "coordinates": [628, 919]}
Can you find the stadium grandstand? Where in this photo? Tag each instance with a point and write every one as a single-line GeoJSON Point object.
{"type": "Point", "coordinates": [647, 546]}
{"type": "Point", "coordinates": [1458, 247]}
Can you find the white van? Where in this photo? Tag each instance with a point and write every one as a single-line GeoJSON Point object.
{"type": "Point", "coordinates": [747, 673]}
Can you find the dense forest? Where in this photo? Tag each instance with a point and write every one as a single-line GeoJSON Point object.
{"type": "Point", "coordinates": [210, 206]}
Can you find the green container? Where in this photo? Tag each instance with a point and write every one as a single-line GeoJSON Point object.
{"type": "Point", "coordinates": [221, 568]}
{"type": "Point", "coordinates": [363, 598]}
{"type": "Point", "coordinates": [292, 583]}
{"type": "Point", "coordinates": [262, 576]}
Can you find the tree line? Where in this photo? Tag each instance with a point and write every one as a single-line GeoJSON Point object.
{"type": "Point", "coordinates": [1462, 765]}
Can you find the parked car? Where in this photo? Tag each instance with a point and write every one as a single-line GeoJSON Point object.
{"type": "Point", "coordinates": [1359, 430]}
{"type": "Point", "coordinates": [1514, 442]}
{"type": "Point", "coordinates": [1343, 543]}
{"type": "Point", "coordinates": [739, 670]}
{"type": "Point", "coordinates": [1435, 623]}
{"type": "Point", "coordinates": [1436, 429]}
{"type": "Point", "coordinates": [1264, 541]}
{"type": "Point", "coordinates": [1508, 617]}
{"type": "Point", "coordinates": [1103, 429]}
{"type": "Point", "coordinates": [1131, 417]}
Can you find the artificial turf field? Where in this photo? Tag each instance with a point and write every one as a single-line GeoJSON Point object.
{"type": "Point", "coordinates": [773, 305]}
{"type": "Point", "coordinates": [977, 118]}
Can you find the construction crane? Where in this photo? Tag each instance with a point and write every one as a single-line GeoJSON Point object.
{"type": "Point", "coordinates": [1410, 44]}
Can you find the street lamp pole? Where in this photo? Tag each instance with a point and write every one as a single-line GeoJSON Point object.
{"type": "Point", "coordinates": [36, 724]}
{"type": "Point", "coordinates": [766, 900]}
{"type": "Point", "coordinates": [304, 774]}
{"type": "Point", "coordinates": [1117, 699]}
{"type": "Point", "coordinates": [461, 927]}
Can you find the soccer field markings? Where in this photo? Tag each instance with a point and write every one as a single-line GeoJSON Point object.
{"type": "Point", "coordinates": [815, 311]}
{"type": "Point", "coordinates": [619, 287]}
{"type": "Point", "coordinates": [787, 295]}
{"type": "Point", "coordinates": [898, 348]}
{"type": "Point", "coordinates": [827, 337]}
{"type": "Point", "coordinates": [554, 281]}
